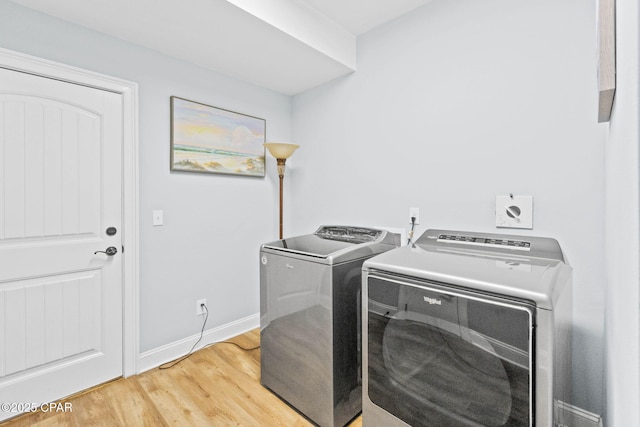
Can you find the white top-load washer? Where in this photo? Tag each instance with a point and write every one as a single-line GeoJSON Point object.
{"type": "Point", "coordinates": [467, 329]}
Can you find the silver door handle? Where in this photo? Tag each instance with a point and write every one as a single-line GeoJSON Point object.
{"type": "Point", "coordinates": [110, 251]}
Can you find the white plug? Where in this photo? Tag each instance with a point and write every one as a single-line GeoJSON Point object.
{"type": "Point", "coordinates": [414, 213]}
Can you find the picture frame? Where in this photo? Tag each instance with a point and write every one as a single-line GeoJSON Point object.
{"type": "Point", "coordinates": [606, 34]}
{"type": "Point", "coordinates": [208, 139]}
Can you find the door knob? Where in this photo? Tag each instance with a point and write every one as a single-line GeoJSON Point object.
{"type": "Point", "coordinates": [111, 251]}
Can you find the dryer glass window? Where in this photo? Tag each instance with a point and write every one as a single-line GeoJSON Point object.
{"type": "Point", "coordinates": [438, 356]}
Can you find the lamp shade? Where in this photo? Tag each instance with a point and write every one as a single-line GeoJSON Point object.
{"type": "Point", "coordinates": [281, 150]}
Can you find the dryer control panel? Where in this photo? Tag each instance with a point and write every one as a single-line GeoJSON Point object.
{"type": "Point", "coordinates": [528, 246]}
{"type": "Point", "coordinates": [483, 241]}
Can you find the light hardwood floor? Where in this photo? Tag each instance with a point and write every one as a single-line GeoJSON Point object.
{"type": "Point", "coordinates": [216, 386]}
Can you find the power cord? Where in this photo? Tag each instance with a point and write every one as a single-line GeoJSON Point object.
{"type": "Point", "coordinates": [174, 362]}
{"type": "Point", "coordinates": [413, 225]}
{"type": "Point", "coordinates": [233, 343]}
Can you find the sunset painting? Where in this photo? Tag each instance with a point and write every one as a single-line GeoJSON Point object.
{"type": "Point", "coordinates": [213, 140]}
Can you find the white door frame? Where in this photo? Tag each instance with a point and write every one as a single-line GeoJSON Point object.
{"type": "Point", "coordinates": [129, 91]}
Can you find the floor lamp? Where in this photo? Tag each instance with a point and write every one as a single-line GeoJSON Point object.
{"type": "Point", "coordinates": [281, 151]}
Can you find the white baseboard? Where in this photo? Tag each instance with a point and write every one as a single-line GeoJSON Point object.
{"type": "Point", "coordinates": [166, 353]}
{"type": "Point", "coordinates": [573, 416]}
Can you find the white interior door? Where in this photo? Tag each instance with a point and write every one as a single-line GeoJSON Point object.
{"type": "Point", "coordinates": [60, 190]}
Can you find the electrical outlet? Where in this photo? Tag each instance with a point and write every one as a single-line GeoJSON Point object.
{"type": "Point", "coordinates": [414, 213]}
{"type": "Point", "coordinates": [199, 307]}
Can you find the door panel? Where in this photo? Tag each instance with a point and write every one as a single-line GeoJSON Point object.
{"type": "Point", "coordinates": [60, 316]}
{"type": "Point", "coordinates": [52, 175]}
{"type": "Point", "coordinates": [438, 355]}
{"type": "Point", "coordinates": [60, 188]}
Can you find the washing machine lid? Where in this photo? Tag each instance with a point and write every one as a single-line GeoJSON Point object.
{"type": "Point", "coordinates": [535, 272]}
{"type": "Point", "coordinates": [334, 243]}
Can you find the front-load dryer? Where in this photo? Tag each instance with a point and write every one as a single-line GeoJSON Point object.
{"type": "Point", "coordinates": [466, 329]}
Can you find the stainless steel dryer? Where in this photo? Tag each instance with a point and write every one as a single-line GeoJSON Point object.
{"type": "Point", "coordinates": [467, 329]}
{"type": "Point", "coordinates": [310, 319]}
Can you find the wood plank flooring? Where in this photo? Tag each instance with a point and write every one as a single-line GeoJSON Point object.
{"type": "Point", "coordinates": [215, 386]}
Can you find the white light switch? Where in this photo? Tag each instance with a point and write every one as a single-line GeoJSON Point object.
{"type": "Point", "coordinates": [158, 218]}
{"type": "Point", "coordinates": [514, 211]}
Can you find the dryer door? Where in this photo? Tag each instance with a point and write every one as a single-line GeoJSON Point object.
{"type": "Point", "coordinates": [439, 356]}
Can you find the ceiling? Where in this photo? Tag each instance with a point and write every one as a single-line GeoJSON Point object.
{"type": "Point", "coordinates": [287, 46]}
{"type": "Point", "coordinates": [360, 16]}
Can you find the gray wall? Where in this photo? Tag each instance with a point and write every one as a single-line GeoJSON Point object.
{"type": "Point", "coordinates": [622, 226]}
{"type": "Point", "coordinates": [214, 224]}
{"type": "Point", "coordinates": [453, 104]}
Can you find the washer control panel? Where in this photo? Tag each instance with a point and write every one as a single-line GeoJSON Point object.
{"type": "Point", "coordinates": [349, 234]}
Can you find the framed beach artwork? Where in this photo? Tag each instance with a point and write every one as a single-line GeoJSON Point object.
{"type": "Point", "coordinates": [207, 139]}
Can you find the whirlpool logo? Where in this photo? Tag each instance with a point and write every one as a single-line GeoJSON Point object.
{"type": "Point", "coordinates": [433, 301]}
